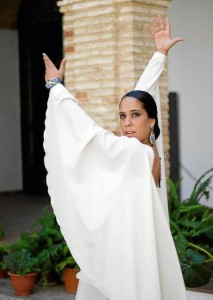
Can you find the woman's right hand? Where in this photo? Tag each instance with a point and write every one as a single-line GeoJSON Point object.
{"type": "Point", "coordinates": [50, 69]}
{"type": "Point", "coordinates": [161, 33]}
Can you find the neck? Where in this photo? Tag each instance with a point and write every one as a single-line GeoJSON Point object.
{"type": "Point", "coordinates": [148, 143]}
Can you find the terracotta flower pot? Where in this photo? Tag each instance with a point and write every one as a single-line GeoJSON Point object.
{"type": "Point", "coordinates": [70, 280]}
{"type": "Point", "coordinates": [22, 285]}
{"type": "Point", "coordinates": [2, 273]}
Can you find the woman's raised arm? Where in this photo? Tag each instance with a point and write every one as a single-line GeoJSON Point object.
{"type": "Point", "coordinates": [161, 33]}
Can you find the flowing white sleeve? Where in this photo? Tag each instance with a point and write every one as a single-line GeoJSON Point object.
{"type": "Point", "coordinates": [149, 82]}
{"type": "Point", "coordinates": [106, 203]}
{"type": "Point", "coordinates": [149, 79]}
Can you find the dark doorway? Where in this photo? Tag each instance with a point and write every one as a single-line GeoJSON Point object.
{"type": "Point", "coordinates": [174, 136]}
{"type": "Point", "coordinates": [40, 30]}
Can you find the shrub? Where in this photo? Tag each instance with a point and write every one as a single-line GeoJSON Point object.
{"type": "Point", "coordinates": [192, 228]}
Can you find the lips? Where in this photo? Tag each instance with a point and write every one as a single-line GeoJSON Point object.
{"type": "Point", "coordinates": [129, 133]}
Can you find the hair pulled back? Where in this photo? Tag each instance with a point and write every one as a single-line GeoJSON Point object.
{"type": "Point", "coordinates": [148, 103]}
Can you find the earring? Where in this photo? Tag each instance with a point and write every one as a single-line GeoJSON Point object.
{"type": "Point", "coordinates": [152, 136]}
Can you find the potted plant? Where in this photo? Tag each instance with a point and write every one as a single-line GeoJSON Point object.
{"type": "Point", "coordinates": [70, 269]}
{"type": "Point", "coordinates": [49, 247]}
{"type": "Point", "coordinates": [46, 243]}
{"type": "Point", "coordinates": [22, 268]}
{"type": "Point", "coordinates": [191, 225]}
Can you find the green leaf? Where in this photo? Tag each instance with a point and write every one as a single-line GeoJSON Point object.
{"type": "Point", "coordinates": [180, 243]}
{"type": "Point", "coordinates": [200, 187]}
{"type": "Point", "coordinates": [173, 197]}
{"type": "Point", "coordinates": [190, 208]}
{"type": "Point", "coordinates": [195, 272]}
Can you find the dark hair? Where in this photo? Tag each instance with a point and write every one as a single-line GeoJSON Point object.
{"type": "Point", "coordinates": [148, 104]}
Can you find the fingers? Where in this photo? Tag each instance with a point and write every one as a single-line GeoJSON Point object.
{"type": "Point", "coordinates": [48, 63]}
{"type": "Point", "coordinates": [154, 27]}
{"type": "Point", "coordinates": [161, 23]}
{"type": "Point", "coordinates": [62, 66]}
{"type": "Point", "coordinates": [168, 27]}
{"type": "Point", "coordinates": [155, 24]}
{"type": "Point", "coordinates": [151, 30]}
{"type": "Point", "coordinates": [158, 24]}
{"type": "Point", "coordinates": [50, 69]}
{"type": "Point", "coordinates": [45, 58]}
{"type": "Point", "coordinates": [176, 40]}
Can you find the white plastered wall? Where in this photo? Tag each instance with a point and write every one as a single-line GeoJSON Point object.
{"type": "Point", "coordinates": [191, 76]}
{"type": "Point", "coordinates": [10, 132]}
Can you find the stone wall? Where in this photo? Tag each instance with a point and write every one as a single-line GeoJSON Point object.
{"type": "Point", "coordinates": [107, 46]}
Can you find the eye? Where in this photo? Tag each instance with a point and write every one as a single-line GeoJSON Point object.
{"type": "Point", "coordinates": [135, 114]}
{"type": "Point", "coordinates": [122, 116]}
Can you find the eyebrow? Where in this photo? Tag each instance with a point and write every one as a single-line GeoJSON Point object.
{"type": "Point", "coordinates": [132, 110]}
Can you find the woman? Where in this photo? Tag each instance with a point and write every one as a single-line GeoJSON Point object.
{"type": "Point", "coordinates": [138, 118]}
{"type": "Point", "coordinates": [103, 193]}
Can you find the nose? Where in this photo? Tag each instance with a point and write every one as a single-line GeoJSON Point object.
{"type": "Point", "coordinates": [128, 121]}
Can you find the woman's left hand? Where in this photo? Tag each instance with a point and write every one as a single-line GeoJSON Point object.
{"type": "Point", "coordinates": [50, 69]}
{"type": "Point", "coordinates": [161, 33]}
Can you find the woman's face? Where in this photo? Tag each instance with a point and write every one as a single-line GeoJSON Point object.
{"type": "Point", "coordinates": [134, 120]}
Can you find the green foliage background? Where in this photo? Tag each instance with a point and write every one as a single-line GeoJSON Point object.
{"type": "Point", "coordinates": [191, 225]}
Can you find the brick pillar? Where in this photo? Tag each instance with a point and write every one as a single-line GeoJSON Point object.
{"type": "Point", "coordinates": [107, 46]}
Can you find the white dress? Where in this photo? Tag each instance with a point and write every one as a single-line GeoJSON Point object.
{"type": "Point", "coordinates": [107, 205]}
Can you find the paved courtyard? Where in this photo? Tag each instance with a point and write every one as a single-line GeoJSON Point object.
{"type": "Point", "coordinates": [53, 293]}
{"type": "Point", "coordinates": [58, 293]}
